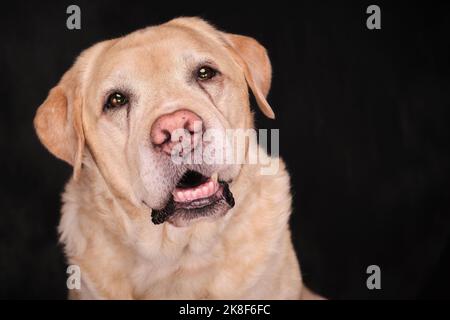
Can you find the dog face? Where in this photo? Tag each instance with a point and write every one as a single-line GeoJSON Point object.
{"type": "Point", "coordinates": [129, 105]}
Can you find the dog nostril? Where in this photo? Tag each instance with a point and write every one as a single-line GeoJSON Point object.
{"type": "Point", "coordinates": [167, 136]}
{"type": "Point", "coordinates": [187, 126]}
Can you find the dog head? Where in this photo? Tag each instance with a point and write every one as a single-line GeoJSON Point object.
{"type": "Point", "coordinates": [130, 105]}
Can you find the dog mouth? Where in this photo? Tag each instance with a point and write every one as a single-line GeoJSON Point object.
{"type": "Point", "coordinates": [195, 196]}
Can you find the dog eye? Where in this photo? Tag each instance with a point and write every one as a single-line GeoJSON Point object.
{"type": "Point", "coordinates": [206, 73]}
{"type": "Point", "coordinates": [116, 100]}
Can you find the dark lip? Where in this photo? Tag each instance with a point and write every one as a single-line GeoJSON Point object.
{"type": "Point", "coordinates": [218, 203]}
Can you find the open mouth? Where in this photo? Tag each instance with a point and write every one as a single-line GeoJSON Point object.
{"type": "Point", "coordinates": [195, 196]}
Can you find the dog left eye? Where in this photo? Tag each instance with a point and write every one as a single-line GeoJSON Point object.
{"type": "Point", "coordinates": [116, 100]}
{"type": "Point", "coordinates": [205, 73]}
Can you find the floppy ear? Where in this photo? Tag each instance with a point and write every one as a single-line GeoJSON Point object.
{"type": "Point", "coordinates": [58, 122]}
{"type": "Point", "coordinates": [253, 59]}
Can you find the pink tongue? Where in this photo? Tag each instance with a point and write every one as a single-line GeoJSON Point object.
{"type": "Point", "coordinates": [202, 191]}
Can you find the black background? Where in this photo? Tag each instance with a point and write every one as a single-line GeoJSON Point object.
{"type": "Point", "coordinates": [364, 129]}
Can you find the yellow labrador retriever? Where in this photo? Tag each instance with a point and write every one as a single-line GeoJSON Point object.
{"type": "Point", "coordinates": [138, 224]}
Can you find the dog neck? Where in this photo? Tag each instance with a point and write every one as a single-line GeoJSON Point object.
{"type": "Point", "coordinates": [101, 232]}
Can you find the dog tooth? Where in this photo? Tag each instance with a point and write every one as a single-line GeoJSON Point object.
{"type": "Point", "coordinates": [214, 177]}
{"type": "Point", "coordinates": [214, 187]}
{"type": "Point", "coordinates": [211, 187]}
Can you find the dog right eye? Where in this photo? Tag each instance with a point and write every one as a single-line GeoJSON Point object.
{"type": "Point", "coordinates": [116, 100]}
{"type": "Point", "coordinates": [205, 73]}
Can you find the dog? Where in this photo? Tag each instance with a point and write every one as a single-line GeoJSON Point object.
{"type": "Point", "coordinates": [140, 226]}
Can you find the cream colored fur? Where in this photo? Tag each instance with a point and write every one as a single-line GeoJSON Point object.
{"type": "Point", "coordinates": [105, 228]}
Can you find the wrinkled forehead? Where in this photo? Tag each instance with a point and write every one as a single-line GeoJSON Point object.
{"type": "Point", "coordinates": [160, 51]}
